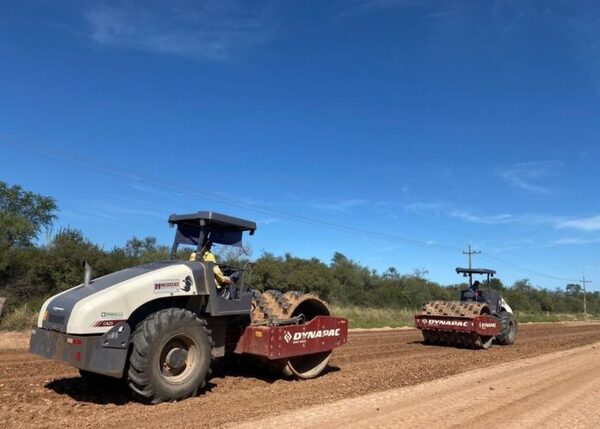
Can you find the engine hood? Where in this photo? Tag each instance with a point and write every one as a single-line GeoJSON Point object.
{"type": "Point", "coordinates": [57, 311]}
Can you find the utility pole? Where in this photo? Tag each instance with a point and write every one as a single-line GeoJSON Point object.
{"type": "Point", "coordinates": [583, 282]}
{"type": "Point", "coordinates": [471, 252]}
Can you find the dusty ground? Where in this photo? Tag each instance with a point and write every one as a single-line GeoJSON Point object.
{"type": "Point", "coordinates": [14, 340]}
{"type": "Point", "coordinates": [35, 392]}
{"type": "Point", "coordinates": [560, 389]}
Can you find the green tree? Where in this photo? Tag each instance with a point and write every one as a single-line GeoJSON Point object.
{"type": "Point", "coordinates": [145, 250]}
{"type": "Point", "coordinates": [268, 273]}
{"type": "Point", "coordinates": [23, 214]}
{"type": "Point", "coordinates": [391, 274]}
{"type": "Point", "coordinates": [573, 289]}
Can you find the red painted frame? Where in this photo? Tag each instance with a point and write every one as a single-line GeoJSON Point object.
{"type": "Point", "coordinates": [483, 325]}
{"type": "Point", "coordinates": [323, 333]}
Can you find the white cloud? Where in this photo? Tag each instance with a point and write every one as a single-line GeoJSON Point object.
{"type": "Point", "coordinates": [582, 224]}
{"type": "Point", "coordinates": [575, 241]}
{"type": "Point", "coordinates": [421, 207]}
{"type": "Point", "coordinates": [585, 224]}
{"type": "Point", "coordinates": [487, 219]}
{"type": "Point", "coordinates": [210, 30]}
{"type": "Point", "coordinates": [530, 219]}
{"type": "Point", "coordinates": [268, 221]}
{"type": "Point", "coordinates": [340, 206]}
{"type": "Point", "coordinates": [530, 175]}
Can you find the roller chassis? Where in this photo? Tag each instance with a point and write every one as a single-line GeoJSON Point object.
{"type": "Point", "coordinates": [171, 315]}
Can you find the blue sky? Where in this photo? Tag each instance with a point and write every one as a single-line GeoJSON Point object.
{"type": "Point", "coordinates": [394, 132]}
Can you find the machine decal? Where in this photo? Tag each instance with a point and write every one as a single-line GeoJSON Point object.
{"type": "Point", "coordinates": [111, 315]}
{"type": "Point", "coordinates": [166, 286]}
{"type": "Point", "coordinates": [299, 337]}
{"type": "Point", "coordinates": [438, 322]}
{"type": "Point", "coordinates": [488, 325]}
{"type": "Point", "coordinates": [106, 323]}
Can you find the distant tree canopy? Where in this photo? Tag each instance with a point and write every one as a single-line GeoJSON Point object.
{"type": "Point", "coordinates": [31, 273]}
{"type": "Point", "coordinates": [23, 215]}
{"type": "Point", "coordinates": [574, 289]}
{"type": "Point", "coordinates": [145, 250]}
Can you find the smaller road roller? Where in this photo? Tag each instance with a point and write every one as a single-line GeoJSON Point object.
{"type": "Point", "coordinates": [480, 316]}
{"type": "Point", "coordinates": [158, 327]}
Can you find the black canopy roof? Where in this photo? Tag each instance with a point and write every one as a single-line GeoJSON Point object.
{"type": "Point", "coordinates": [213, 220]}
{"type": "Point", "coordinates": [216, 227]}
{"type": "Point", "coordinates": [466, 271]}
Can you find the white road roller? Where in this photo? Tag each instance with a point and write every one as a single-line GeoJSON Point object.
{"type": "Point", "coordinates": [159, 326]}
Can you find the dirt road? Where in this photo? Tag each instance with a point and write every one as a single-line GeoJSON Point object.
{"type": "Point", "coordinates": [560, 389]}
{"type": "Point", "coordinates": [35, 392]}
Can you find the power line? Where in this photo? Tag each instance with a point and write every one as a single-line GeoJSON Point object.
{"type": "Point", "coordinates": [171, 185]}
{"type": "Point", "coordinates": [524, 269]}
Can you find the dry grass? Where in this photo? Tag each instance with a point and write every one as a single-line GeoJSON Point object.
{"type": "Point", "coordinates": [368, 317]}
{"type": "Point", "coordinates": [19, 318]}
{"type": "Point", "coordinates": [25, 317]}
{"type": "Point", "coordinates": [524, 317]}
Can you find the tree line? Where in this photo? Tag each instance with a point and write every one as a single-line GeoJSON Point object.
{"type": "Point", "coordinates": [30, 272]}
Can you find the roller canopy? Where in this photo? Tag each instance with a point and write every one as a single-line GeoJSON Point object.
{"type": "Point", "coordinates": [219, 228]}
{"type": "Point", "coordinates": [475, 271]}
{"type": "Point", "coordinates": [191, 235]}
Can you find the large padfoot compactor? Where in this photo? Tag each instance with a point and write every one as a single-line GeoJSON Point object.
{"type": "Point", "coordinates": [455, 323]}
{"type": "Point", "coordinates": [479, 318]}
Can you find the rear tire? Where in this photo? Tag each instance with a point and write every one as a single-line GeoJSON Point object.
{"type": "Point", "coordinates": [508, 329]}
{"type": "Point", "coordinates": [171, 356]}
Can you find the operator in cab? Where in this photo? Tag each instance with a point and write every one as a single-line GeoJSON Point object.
{"type": "Point", "coordinates": [473, 291]}
{"type": "Point", "coordinates": [207, 256]}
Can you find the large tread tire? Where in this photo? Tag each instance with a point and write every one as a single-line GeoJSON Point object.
{"type": "Point", "coordinates": [163, 334]}
{"type": "Point", "coordinates": [273, 304]}
{"type": "Point", "coordinates": [508, 329]}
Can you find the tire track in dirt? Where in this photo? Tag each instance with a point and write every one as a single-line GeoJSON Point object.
{"type": "Point", "coordinates": [557, 389]}
{"type": "Point", "coordinates": [35, 392]}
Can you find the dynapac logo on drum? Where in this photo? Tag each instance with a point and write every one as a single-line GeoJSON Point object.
{"type": "Point", "coordinates": [437, 322]}
{"type": "Point", "coordinates": [300, 337]}
{"type": "Point", "coordinates": [166, 286]}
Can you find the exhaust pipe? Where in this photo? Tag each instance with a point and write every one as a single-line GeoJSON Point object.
{"type": "Point", "coordinates": [87, 277]}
